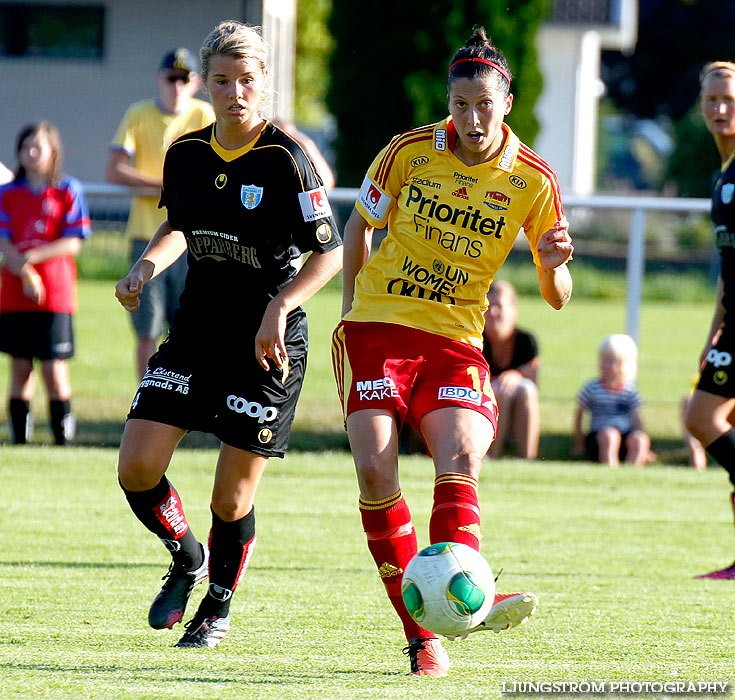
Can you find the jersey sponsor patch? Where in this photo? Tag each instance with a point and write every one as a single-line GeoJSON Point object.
{"type": "Point", "coordinates": [375, 201]}
{"type": "Point", "coordinates": [440, 139]}
{"type": "Point", "coordinates": [250, 196]}
{"type": "Point", "coordinates": [375, 389]}
{"type": "Point", "coordinates": [460, 393]}
{"type": "Point", "coordinates": [314, 204]}
{"type": "Point", "coordinates": [264, 414]}
{"type": "Point", "coordinates": [719, 358]}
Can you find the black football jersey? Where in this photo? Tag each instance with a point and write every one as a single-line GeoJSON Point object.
{"type": "Point", "coordinates": [247, 215]}
{"type": "Point", "coordinates": [723, 217]}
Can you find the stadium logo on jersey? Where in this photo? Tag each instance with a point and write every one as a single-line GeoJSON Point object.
{"type": "Point", "coordinates": [264, 414]}
{"type": "Point", "coordinates": [719, 359]}
{"type": "Point", "coordinates": [426, 183]}
{"type": "Point", "coordinates": [314, 204]}
{"type": "Point", "coordinates": [461, 193]}
{"type": "Point", "coordinates": [460, 393]}
{"type": "Point", "coordinates": [324, 233]}
{"type": "Point", "coordinates": [440, 139]}
{"type": "Point", "coordinates": [518, 182]}
{"type": "Point", "coordinates": [375, 201]}
{"type": "Point", "coordinates": [250, 196]}
{"type": "Point", "coordinates": [382, 388]}
{"type": "Point", "coordinates": [727, 192]}
{"type": "Point", "coordinates": [421, 160]}
{"type": "Point", "coordinates": [220, 181]}
{"type": "Point", "coordinates": [498, 200]}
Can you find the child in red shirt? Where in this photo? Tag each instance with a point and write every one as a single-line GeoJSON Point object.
{"type": "Point", "coordinates": [43, 220]}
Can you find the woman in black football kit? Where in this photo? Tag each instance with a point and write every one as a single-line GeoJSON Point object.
{"type": "Point", "coordinates": [245, 201]}
{"type": "Point", "coordinates": [709, 415]}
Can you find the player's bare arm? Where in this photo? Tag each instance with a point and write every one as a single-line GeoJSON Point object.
{"type": "Point", "coordinates": [270, 342]}
{"type": "Point", "coordinates": [555, 250]}
{"type": "Point", "coordinates": [120, 172]}
{"type": "Point", "coordinates": [164, 249]}
{"type": "Point", "coordinates": [358, 240]}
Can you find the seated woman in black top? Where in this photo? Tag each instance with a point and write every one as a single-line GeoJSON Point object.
{"type": "Point", "coordinates": [513, 358]}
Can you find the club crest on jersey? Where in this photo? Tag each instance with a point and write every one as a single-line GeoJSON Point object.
{"type": "Point", "coordinates": [728, 190]}
{"type": "Point", "coordinates": [250, 196]}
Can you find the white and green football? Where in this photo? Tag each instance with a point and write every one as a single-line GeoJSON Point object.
{"type": "Point", "coordinates": [448, 588]}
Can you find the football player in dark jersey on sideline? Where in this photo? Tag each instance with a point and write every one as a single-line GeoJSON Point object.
{"type": "Point", "coordinates": [245, 201]}
{"type": "Point", "coordinates": [409, 349]}
{"type": "Point", "coordinates": [708, 415]}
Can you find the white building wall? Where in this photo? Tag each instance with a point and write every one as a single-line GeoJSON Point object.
{"type": "Point", "coordinates": [86, 99]}
{"type": "Point", "coordinates": [568, 107]}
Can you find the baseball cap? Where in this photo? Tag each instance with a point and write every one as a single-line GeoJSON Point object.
{"type": "Point", "coordinates": [179, 59]}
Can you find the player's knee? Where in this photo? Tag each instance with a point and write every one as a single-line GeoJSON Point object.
{"type": "Point", "coordinates": [135, 475]}
{"type": "Point", "coordinates": [226, 507]}
{"type": "Point", "coordinates": [373, 474]}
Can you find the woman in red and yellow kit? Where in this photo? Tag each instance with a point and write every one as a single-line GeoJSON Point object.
{"type": "Point", "coordinates": [453, 197]}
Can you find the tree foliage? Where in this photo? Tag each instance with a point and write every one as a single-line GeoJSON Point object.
{"type": "Point", "coordinates": [388, 69]}
{"type": "Point", "coordinates": [313, 47]}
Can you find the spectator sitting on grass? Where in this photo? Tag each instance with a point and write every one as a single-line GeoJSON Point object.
{"type": "Point", "coordinates": [613, 402]}
{"type": "Point", "coordinates": [513, 357]}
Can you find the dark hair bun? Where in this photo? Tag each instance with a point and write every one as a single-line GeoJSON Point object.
{"type": "Point", "coordinates": [478, 38]}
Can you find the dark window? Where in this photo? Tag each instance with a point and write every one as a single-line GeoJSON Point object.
{"type": "Point", "coordinates": [52, 31]}
{"type": "Point", "coordinates": [583, 12]}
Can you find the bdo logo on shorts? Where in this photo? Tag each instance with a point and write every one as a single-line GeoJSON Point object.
{"type": "Point", "coordinates": [251, 408]}
{"type": "Point", "coordinates": [719, 359]}
{"type": "Point", "coordinates": [460, 393]}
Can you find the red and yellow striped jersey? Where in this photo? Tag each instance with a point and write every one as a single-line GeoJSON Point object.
{"type": "Point", "coordinates": [449, 229]}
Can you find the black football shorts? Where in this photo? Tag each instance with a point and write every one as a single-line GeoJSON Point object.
{"type": "Point", "coordinates": [47, 335]}
{"type": "Point", "coordinates": [718, 373]}
{"type": "Point", "coordinates": [239, 403]}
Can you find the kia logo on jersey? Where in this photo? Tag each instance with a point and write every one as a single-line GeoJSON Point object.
{"type": "Point", "coordinates": [314, 204]}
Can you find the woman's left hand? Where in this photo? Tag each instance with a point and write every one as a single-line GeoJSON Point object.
{"type": "Point", "coordinates": [555, 247]}
{"type": "Point", "coordinates": [270, 340]}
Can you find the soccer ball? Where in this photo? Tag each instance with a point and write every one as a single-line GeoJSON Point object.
{"type": "Point", "coordinates": [448, 588]}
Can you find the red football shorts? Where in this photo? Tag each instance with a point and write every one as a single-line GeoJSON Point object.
{"type": "Point", "coordinates": [408, 372]}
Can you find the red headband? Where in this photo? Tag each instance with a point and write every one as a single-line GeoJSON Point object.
{"type": "Point", "coordinates": [498, 68]}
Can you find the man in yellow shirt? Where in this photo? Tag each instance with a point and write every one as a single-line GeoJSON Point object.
{"type": "Point", "coordinates": [136, 160]}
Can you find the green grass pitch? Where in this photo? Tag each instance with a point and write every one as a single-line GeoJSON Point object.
{"type": "Point", "coordinates": [611, 554]}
